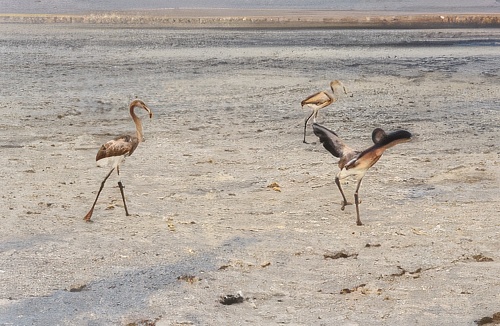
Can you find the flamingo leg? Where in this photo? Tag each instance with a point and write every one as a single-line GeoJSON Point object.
{"type": "Point", "coordinates": [123, 197]}
{"type": "Point", "coordinates": [305, 126]}
{"type": "Point", "coordinates": [121, 186]}
{"type": "Point", "coordinates": [89, 214]}
{"type": "Point", "coordinates": [356, 200]}
{"type": "Point", "coordinates": [344, 201]}
{"type": "Point", "coordinates": [315, 115]}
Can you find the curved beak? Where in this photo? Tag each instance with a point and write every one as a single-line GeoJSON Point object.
{"type": "Point", "coordinates": [149, 111]}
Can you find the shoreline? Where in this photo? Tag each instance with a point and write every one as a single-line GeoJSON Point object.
{"type": "Point", "coordinates": [230, 18]}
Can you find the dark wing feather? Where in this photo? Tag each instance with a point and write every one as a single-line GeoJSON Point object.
{"type": "Point", "coordinates": [377, 135]}
{"type": "Point", "coordinates": [331, 141]}
{"type": "Point", "coordinates": [394, 138]}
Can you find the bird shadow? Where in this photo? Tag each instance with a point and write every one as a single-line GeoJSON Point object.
{"type": "Point", "coordinates": [110, 299]}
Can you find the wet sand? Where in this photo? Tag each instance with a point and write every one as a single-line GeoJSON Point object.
{"type": "Point", "coordinates": [227, 125]}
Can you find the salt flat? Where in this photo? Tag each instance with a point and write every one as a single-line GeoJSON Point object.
{"type": "Point", "coordinates": [227, 125]}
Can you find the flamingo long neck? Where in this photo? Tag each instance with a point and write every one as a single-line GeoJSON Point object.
{"type": "Point", "coordinates": [333, 93]}
{"type": "Point", "coordinates": [138, 123]}
{"type": "Point", "coordinates": [335, 90]}
{"type": "Point", "coordinates": [338, 88]}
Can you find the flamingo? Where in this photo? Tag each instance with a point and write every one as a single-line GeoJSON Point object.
{"type": "Point", "coordinates": [320, 100]}
{"type": "Point", "coordinates": [120, 148]}
{"type": "Point", "coordinates": [353, 162]}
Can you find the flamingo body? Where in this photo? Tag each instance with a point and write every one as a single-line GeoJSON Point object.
{"type": "Point", "coordinates": [320, 100]}
{"type": "Point", "coordinates": [356, 163]}
{"type": "Point", "coordinates": [120, 146]}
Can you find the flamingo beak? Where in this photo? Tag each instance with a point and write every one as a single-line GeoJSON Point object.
{"type": "Point", "coordinates": [149, 111]}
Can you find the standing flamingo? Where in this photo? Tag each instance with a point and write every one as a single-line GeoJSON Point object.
{"type": "Point", "coordinates": [356, 163]}
{"type": "Point", "coordinates": [119, 148]}
{"type": "Point", "coordinates": [320, 100]}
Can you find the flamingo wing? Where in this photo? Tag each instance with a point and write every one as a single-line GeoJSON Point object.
{"type": "Point", "coordinates": [382, 141]}
{"type": "Point", "coordinates": [378, 134]}
{"type": "Point", "coordinates": [321, 99]}
{"type": "Point", "coordinates": [332, 142]}
{"type": "Point", "coordinates": [122, 145]}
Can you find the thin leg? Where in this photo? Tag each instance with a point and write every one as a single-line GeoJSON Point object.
{"type": "Point", "coordinates": [89, 214]}
{"type": "Point", "coordinates": [305, 126]}
{"type": "Point", "coordinates": [356, 200]}
{"type": "Point", "coordinates": [344, 201]}
{"type": "Point", "coordinates": [315, 115]}
{"type": "Point", "coordinates": [123, 197]}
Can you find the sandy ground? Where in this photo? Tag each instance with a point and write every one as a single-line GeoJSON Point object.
{"type": "Point", "coordinates": [227, 125]}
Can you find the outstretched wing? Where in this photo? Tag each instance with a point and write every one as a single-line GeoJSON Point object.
{"type": "Point", "coordinates": [382, 141]}
{"type": "Point", "coordinates": [122, 145]}
{"type": "Point", "coordinates": [331, 141]}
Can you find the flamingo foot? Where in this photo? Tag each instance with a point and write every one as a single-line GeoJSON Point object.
{"type": "Point", "coordinates": [89, 215]}
{"type": "Point", "coordinates": [344, 204]}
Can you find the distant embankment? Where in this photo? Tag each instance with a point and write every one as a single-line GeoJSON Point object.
{"type": "Point", "coordinates": [263, 19]}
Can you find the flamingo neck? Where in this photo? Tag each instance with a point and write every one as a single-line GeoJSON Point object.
{"type": "Point", "coordinates": [335, 89]}
{"type": "Point", "coordinates": [338, 88]}
{"type": "Point", "coordinates": [138, 123]}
